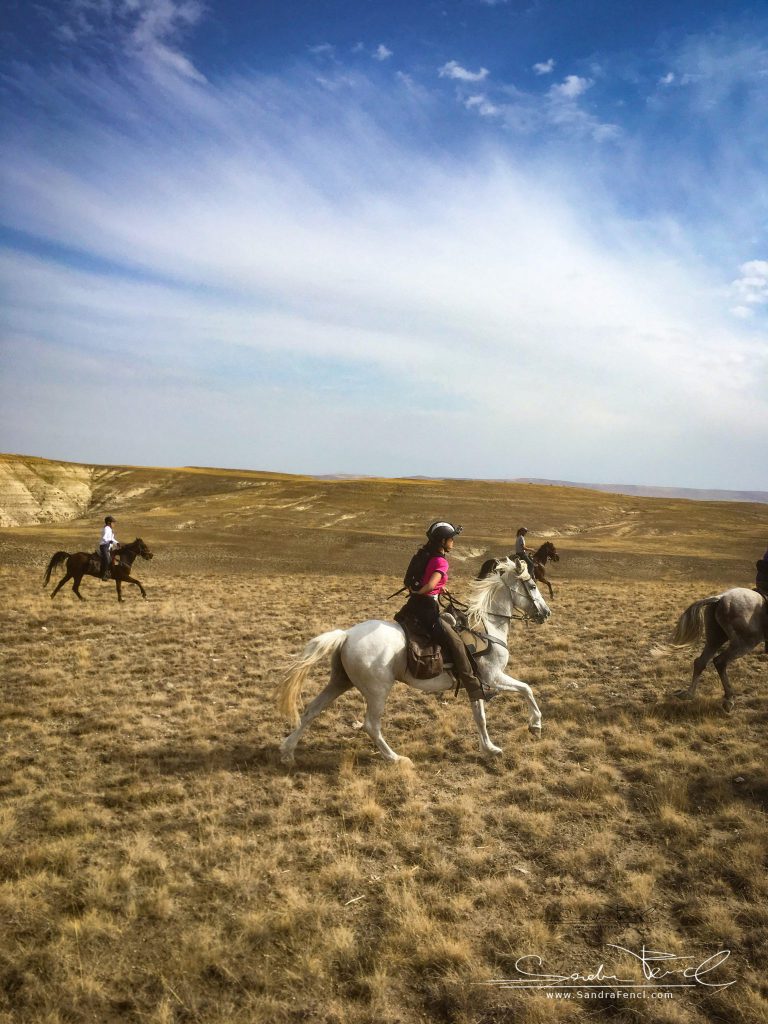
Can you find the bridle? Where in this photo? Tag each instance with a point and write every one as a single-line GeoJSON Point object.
{"type": "Point", "coordinates": [518, 615]}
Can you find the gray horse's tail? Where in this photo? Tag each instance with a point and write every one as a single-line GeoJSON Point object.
{"type": "Point", "coordinates": [289, 688]}
{"type": "Point", "coordinates": [55, 562]}
{"type": "Point", "coordinates": [690, 625]}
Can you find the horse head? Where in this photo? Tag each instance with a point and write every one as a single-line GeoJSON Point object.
{"type": "Point", "coordinates": [512, 575]}
{"type": "Point", "coordinates": [525, 595]}
{"type": "Point", "coordinates": [142, 549]}
{"type": "Point", "coordinates": [551, 551]}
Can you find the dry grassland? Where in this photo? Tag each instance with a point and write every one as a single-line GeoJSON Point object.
{"type": "Point", "coordinates": [159, 865]}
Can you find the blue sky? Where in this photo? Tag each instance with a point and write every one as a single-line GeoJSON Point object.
{"type": "Point", "coordinates": [460, 239]}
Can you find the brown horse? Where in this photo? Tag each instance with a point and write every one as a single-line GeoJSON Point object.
{"type": "Point", "coordinates": [83, 563]}
{"type": "Point", "coordinates": [539, 558]}
{"type": "Point", "coordinates": [733, 623]}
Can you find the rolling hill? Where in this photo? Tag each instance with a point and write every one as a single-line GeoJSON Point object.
{"type": "Point", "coordinates": [261, 521]}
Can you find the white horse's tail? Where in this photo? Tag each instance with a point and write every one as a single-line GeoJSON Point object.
{"type": "Point", "coordinates": [691, 623]}
{"type": "Point", "coordinates": [290, 686]}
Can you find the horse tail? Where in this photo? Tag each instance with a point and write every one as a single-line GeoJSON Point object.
{"type": "Point", "coordinates": [290, 686]}
{"type": "Point", "coordinates": [691, 623]}
{"type": "Point", "coordinates": [55, 562]}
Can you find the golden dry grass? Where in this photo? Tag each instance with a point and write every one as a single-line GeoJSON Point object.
{"type": "Point", "coordinates": [158, 863]}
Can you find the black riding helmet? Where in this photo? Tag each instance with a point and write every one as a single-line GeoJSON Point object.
{"type": "Point", "coordinates": [440, 530]}
{"type": "Point", "coordinates": [108, 520]}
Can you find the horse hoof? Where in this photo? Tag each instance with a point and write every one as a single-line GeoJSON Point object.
{"type": "Point", "coordinates": [404, 762]}
{"type": "Point", "coordinates": [286, 756]}
{"type": "Point", "coordinates": [535, 731]}
{"type": "Point", "coordinates": [682, 695]}
{"type": "Point", "coordinates": [728, 705]}
{"type": "Point", "coordinates": [494, 751]}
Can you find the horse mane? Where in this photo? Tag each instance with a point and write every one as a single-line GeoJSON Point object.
{"type": "Point", "coordinates": [482, 591]}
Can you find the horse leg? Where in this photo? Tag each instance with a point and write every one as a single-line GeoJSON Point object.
{"type": "Point", "coordinates": [478, 713]}
{"type": "Point", "coordinates": [119, 588]}
{"type": "Point", "coordinates": [375, 698]}
{"type": "Point", "coordinates": [60, 584]}
{"type": "Point", "coordinates": [721, 662]}
{"type": "Point", "coordinates": [76, 586]}
{"type": "Point", "coordinates": [699, 665]}
{"type": "Point", "coordinates": [130, 579]}
{"type": "Point", "coordinates": [339, 683]}
{"type": "Point", "coordinates": [510, 685]}
{"type": "Point", "coordinates": [539, 577]}
{"type": "Point", "coordinates": [715, 637]}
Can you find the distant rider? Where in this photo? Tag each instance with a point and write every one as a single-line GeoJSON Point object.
{"type": "Point", "coordinates": [422, 607]}
{"type": "Point", "coordinates": [522, 552]}
{"type": "Point", "coordinates": [108, 542]}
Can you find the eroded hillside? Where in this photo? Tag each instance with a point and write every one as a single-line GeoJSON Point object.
{"type": "Point", "coordinates": [34, 490]}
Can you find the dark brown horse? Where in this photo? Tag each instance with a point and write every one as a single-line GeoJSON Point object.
{"type": "Point", "coordinates": [540, 557]}
{"type": "Point", "coordinates": [83, 563]}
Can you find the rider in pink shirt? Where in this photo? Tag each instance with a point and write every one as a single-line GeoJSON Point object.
{"type": "Point", "coordinates": [423, 610]}
{"type": "Point", "coordinates": [438, 564]}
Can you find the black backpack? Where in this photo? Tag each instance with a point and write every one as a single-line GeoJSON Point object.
{"type": "Point", "coordinates": [417, 566]}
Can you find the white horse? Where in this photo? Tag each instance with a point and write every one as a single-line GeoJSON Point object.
{"type": "Point", "coordinates": [372, 657]}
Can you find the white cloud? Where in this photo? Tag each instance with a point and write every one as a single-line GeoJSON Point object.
{"type": "Point", "coordinates": [752, 287]}
{"type": "Point", "coordinates": [381, 52]}
{"type": "Point", "coordinates": [149, 29]}
{"type": "Point", "coordinates": [482, 105]}
{"type": "Point", "coordinates": [545, 67]}
{"type": "Point", "coordinates": [571, 87]}
{"type": "Point", "coordinates": [454, 70]}
{"type": "Point", "coordinates": [667, 79]}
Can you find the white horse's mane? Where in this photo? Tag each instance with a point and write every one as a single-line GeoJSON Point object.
{"type": "Point", "coordinates": [482, 592]}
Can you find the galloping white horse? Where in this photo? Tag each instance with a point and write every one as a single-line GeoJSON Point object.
{"type": "Point", "coordinates": [372, 656]}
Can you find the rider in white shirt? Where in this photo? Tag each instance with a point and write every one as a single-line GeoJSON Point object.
{"type": "Point", "coordinates": [108, 541]}
{"type": "Point", "coordinates": [521, 551]}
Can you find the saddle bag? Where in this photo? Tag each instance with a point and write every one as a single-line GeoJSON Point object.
{"type": "Point", "coordinates": [425, 656]}
{"type": "Point", "coordinates": [425, 659]}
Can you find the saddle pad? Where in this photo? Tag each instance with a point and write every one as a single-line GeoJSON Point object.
{"type": "Point", "coordinates": [476, 645]}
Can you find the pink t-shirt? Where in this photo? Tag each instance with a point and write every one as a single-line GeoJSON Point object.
{"type": "Point", "coordinates": [436, 564]}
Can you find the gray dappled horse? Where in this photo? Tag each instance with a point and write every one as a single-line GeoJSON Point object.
{"type": "Point", "coordinates": [733, 624]}
{"type": "Point", "coordinates": [371, 656]}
